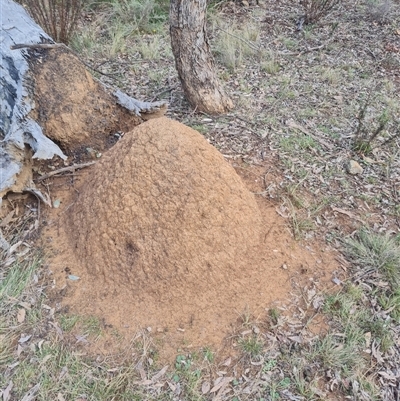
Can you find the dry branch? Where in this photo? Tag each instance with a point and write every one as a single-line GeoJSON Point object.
{"type": "Point", "coordinates": [64, 170]}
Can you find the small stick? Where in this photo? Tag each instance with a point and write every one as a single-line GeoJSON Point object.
{"type": "Point", "coordinates": [55, 46]}
{"type": "Point", "coordinates": [64, 169]}
{"type": "Point", "coordinates": [37, 46]}
{"type": "Point", "coordinates": [308, 50]}
{"type": "Point", "coordinates": [164, 91]}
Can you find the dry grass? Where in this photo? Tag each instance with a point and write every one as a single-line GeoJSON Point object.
{"type": "Point", "coordinates": [58, 18]}
{"type": "Point", "coordinates": [314, 10]}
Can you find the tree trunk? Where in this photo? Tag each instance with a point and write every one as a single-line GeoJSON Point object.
{"type": "Point", "coordinates": [193, 58]}
{"type": "Point", "coordinates": [49, 104]}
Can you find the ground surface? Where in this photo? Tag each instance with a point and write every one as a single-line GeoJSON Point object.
{"type": "Point", "coordinates": [298, 96]}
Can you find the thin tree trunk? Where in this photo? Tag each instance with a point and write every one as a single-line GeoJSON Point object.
{"type": "Point", "coordinates": [193, 58]}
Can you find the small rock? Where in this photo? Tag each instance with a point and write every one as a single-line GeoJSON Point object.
{"type": "Point", "coordinates": [245, 3]}
{"type": "Point", "coordinates": [56, 203]}
{"type": "Point", "coordinates": [354, 168]}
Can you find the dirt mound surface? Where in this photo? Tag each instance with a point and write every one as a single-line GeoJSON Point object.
{"type": "Point", "coordinates": [166, 217]}
{"type": "Point", "coordinates": [163, 234]}
{"type": "Point", "coordinates": [75, 110]}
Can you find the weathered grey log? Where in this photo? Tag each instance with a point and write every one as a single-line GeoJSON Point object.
{"type": "Point", "coordinates": [17, 129]}
{"type": "Point", "coordinates": [29, 119]}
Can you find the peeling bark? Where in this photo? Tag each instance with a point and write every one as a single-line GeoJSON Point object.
{"type": "Point", "coordinates": [193, 58]}
{"type": "Point", "coordinates": [17, 130]}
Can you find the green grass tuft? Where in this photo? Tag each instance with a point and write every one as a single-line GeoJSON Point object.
{"type": "Point", "coordinates": [251, 346]}
{"type": "Point", "coordinates": [376, 253]}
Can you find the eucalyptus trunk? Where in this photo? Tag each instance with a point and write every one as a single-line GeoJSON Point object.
{"type": "Point", "coordinates": [193, 58]}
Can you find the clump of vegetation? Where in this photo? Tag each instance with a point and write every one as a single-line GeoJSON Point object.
{"type": "Point", "coordinates": [274, 315]}
{"type": "Point", "coordinates": [57, 17]}
{"type": "Point", "coordinates": [235, 44]}
{"type": "Point", "coordinates": [379, 10]}
{"type": "Point", "coordinates": [314, 10]}
{"type": "Point", "coordinates": [116, 21]}
{"type": "Point", "coordinates": [376, 254]}
{"type": "Point", "coordinates": [363, 137]}
{"type": "Point", "coordinates": [251, 346]}
{"type": "Point", "coordinates": [140, 15]}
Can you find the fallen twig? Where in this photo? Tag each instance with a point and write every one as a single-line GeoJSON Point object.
{"type": "Point", "coordinates": [170, 89]}
{"type": "Point", "coordinates": [65, 169]}
{"type": "Point", "coordinates": [55, 46]}
{"type": "Point", "coordinates": [308, 50]}
{"type": "Point", "coordinates": [37, 46]}
{"type": "Point", "coordinates": [294, 125]}
{"type": "Point", "coordinates": [347, 213]}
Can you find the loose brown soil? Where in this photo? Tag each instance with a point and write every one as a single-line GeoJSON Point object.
{"type": "Point", "coordinates": [75, 109]}
{"type": "Point", "coordinates": [163, 234]}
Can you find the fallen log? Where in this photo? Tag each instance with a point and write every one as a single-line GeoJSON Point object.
{"type": "Point", "coordinates": [50, 105]}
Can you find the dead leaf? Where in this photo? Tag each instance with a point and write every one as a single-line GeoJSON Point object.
{"type": "Point", "coordinates": [81, 338]}
{"type": "Point", "coordinates": [227, 362]}
{"type": "Point", "coordinates": [21, 315]}
{"type": "Point", "coordinates": [7, 391]}
{"type": "Point", "coordinates": [337, 281]}
{"type": "Point", "coordinates": [3, 242]}
{"type": "Point", "coordinates": [14, 247]}
{"type": "Point", "coordinates": [23, 253]}
{"type": "Point", "coordinates": [60, 397]}
{"type": "Point", "coordinates": [24, 339]}
{"type": "Point", "coordinates": [296, 339]}
{"type": "Point", "coordinates": [222, 382]}
{"type": "Point", "coordinates": [45, 359]}
{"type": "Point", "coordinates": [146, 382]}
{"type": "Point", "coordinates": [376, 353]}
{"type": "Point", "coordinates": [292, 124]}
{"type": "Point", "coordinates": [142, 373]}
{"type": "Point", "coordinates": [258, 363]}
{"type": "Point", "coordinates": [64, 371]}
{"type": "Point", "coordinates": [58, 329]}
{"type": "Point", "coordinates": [367, 337]}
{"type": "Point", "coordinates": [19, 350]}
{"type": "Point", "coordinates": [160, 373]}
{"type": "Point", "coordinates": [7, 219]}
{"type": "Point", "coordinates": [387, 376]}
{"type": "Point", "coordinates": [30, 395]}
{"type": "Point", "coordinates": [347, 213]}
{"type": "Point", "coordinates": [205, 387]}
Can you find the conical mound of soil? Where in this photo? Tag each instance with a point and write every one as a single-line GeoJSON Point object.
{"type": "Point", "coordinates": [169, 237]}
{"type": "Point", "coordinates": [164, 214]}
